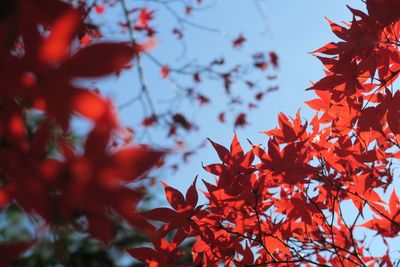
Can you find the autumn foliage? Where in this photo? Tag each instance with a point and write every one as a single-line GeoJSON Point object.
{"type": "Point", "coordinates": [40, 169]}
{"type": "Point", "coordinates": [286, 204]}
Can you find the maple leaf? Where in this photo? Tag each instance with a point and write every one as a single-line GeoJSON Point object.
{"type": "Point", "coordinates": [240, 120]}
{"type": "Point", "coordinates": [50, 64]}
{"type": "Point", "coordinates": [91, 184]}
{"type": "Point", "coordinates": [188, 10]}
{"type": "Point", "coordinates": [196, 77]}
{"type": "Point", "coordinates": [81, 63]}
{"type": "Point", "coordinates": [99, 9]}
{"type": "Point", "coordinates": [297, 207]}
{"type": "Point", "coordinates": [289, 164]}
{"type": "Point", "coordinates": [203, 99]}
{"type": "Point", "coordinates": [387, 225]}
{"type": "Point", "coordinates": [55, 47]}
{"type": "Point", "coordinates": [214, 247]}
{"type": "Point", "coordinates": [390, 103]}
{"type": "Point", "coordinates": [235, 168]}
{"type": "Point", "coordinates": [221, 117]}
{"type": "Point", "coordinates": [239, 41]}
{"type": "Point", "coordinates": [164, 71]}
{"type": "Point", "coordinates": [274, 59]}
{"type": "Point", "coordinates": [288, 132]}
{"type": "Point", "coordinates": [150, 121]}
{"type": "Point", "coordinates": [346, 81]}
{"type": "Point", "coordinates": [323, 104]}
{"type": "Point", "coordinates": [385, 12]}
{"type": "Point", "coordinates": [248, 256]}
{"type": "Point", "coordinates": [180, 217]}
{"type": "Point", "coordinates": [144, 17]}
{"type": "Point", "coordinates": [180, 120]}
{"type": "Point", "coordinates": [164, 254]}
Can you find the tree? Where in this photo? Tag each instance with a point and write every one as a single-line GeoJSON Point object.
{"type": "Point", "coordinates": [242, 84]}
{"type": "Point", "coordinates": [322, 192]}
{"type": "Point", "coordinates": [66, 184]}
{"type": "Point", "coordinates": [317, 195]}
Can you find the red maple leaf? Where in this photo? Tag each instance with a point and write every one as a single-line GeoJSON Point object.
{"type": "Point", "coordinates": [164, 254]}
{"type": "Point", "coordinates": [239, 41]}
{"type": "Point", "coordinates": [181, 216]}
